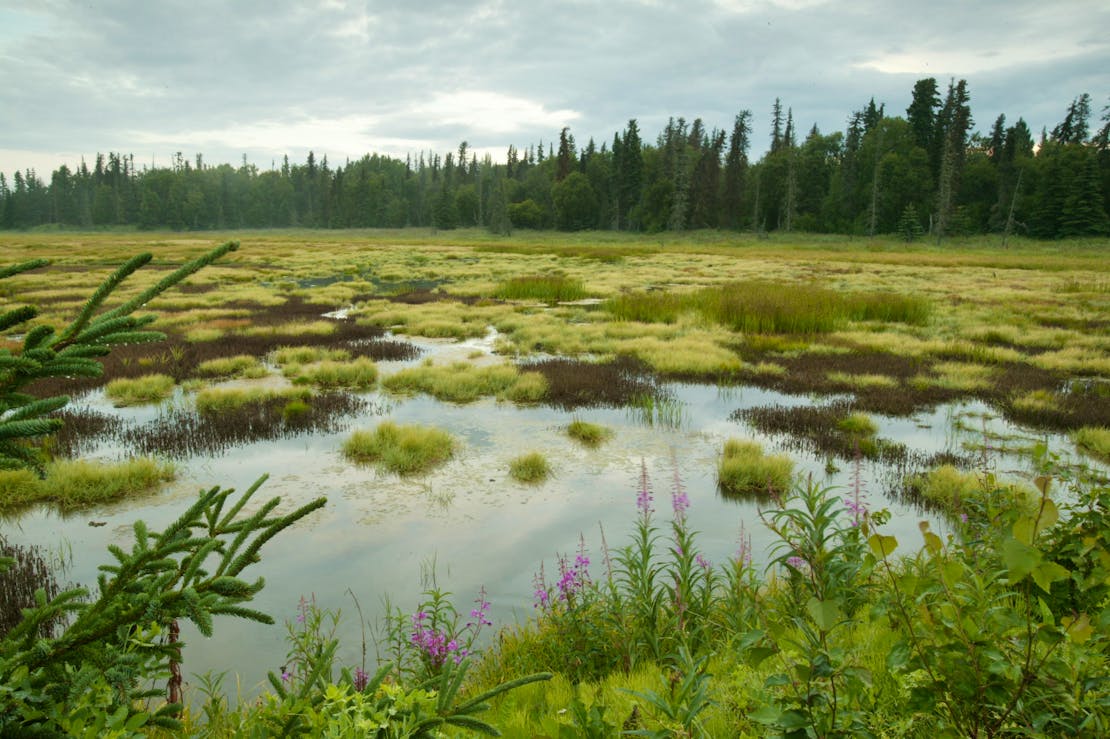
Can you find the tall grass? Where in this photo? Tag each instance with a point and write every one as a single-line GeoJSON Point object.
{"type": "Point", "coordinates": [405, 450]}
{"type": "Point", "coordinates": [541, 288]}
{"type": "Point", "coordinates": [762, 307]}
{"type": "Point", "coordinates": [242, 365]}
{"type": "Point", "coordinates": [589, 434]}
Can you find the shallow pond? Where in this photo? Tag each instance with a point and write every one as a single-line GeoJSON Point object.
{"type": "Point", "coordinates": [479, 527]}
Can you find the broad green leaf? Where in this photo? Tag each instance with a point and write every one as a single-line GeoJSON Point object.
{"type": "Point", "coordinates": [767, 715]}
{"type": "Point", "coordinates": [1024, 529]}
{"type": "Point", "coordinates": [1020, 559]}
{"type": "Point", "coordinates": [1079, 628]}
{"type": "Point", "coordinates": [1046, 573]}
{"type": "Point", "coordinates": [882, 546]}
{"type": "Point", "coordinates": [1049, 516]}
{"type": "Point", "coordinates": [825, 613]}
{"type": "Point", "coordinates": [933, 543]}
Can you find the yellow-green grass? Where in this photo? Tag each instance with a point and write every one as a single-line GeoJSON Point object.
{"type": "Point", "coordinates": [1037, 401]}
{"type": "Point", "coordinates": [858, 424]}
{"type": "Point", "coordinates": [219, 399]}
{"type": "Point", "coordinates": [744, 470]}
{"type": "Point", "coordinates": [360, 373]}
{"type": "Point", "coordinates": [861, 381]}
{"type": "Point", "coordinates": [952, 490]}
{"type": "Point", "coordinates": [1093, 441]}
{"type": "Point", "coordinates": [307, 354]}
{"type": "Point", "coordinates": [139, 390]}
{"type": "Point", "coordinates": [531, 467]}
{"type": "Point", "coordinates": [405, 450]}
{"type": "Point", "coordinates": [461, 382]}
{"type": "Point", "coordinates": [589, 434]}
{"type": "Point", "coordinates": [240, 366]}
{"type": "Point", "coordinates": [961, 376]}
{"type": "Point", "coordinates": [72, 484]}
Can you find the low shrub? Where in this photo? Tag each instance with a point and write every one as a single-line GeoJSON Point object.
{"type": "Point", "coordinates": [744, 470]}
{"type": "Point", "coordinates": [531, 468]}
{"type": "Point", "coordinates": [405, 450]}
{"type": "Point", "coordinates": [139, 390]}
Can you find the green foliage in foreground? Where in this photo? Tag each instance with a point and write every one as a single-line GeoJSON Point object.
{"type": "Point", "coordinates": [70, 352]}
{"type": "Point", "coordinates": [73, 484]}
{"type": "Point", "coordinates": [1002, 630]}
{"type": "Point", "coordinates": [406, 450]}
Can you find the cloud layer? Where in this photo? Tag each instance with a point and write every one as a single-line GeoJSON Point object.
{"type": "Point", "coordinates": [270, 77]}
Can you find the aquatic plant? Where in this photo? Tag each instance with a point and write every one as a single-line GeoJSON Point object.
{"type": "Point", "coordinates": [543, 288]}
{"type": "Point", "coordinates": [140, 390]}
{"type": "Point", "coordinates": [1093, 440]}
{"type": "Point", "coordinates": [745, 471]}
{"type": "Point", "coordinates": [590, 434]}
{"type": "Point", "coordinates": [532, 467]}
{"type": "Point", "coordinates": [405, 450]}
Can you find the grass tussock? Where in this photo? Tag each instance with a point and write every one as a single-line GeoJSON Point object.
{"type": "Point", "coordinates": [242, 366]}
{"type": "Point", "coordinates": [461, 382]}
{"type": "Point", "coordinates": [211, 401]}
{"type": "Point", "coordinates": [308, 354]}
{"type": "Point", "coordinates": [404, 450]}
{"type": "Point", "coordinates": [530, 468]}
{"type": "Point", "coordinates": [589, 434]}
{"type": "Point", "coordinates": [541, 288]}
{"type": "Point", "coordinates": [74, 484]}
{"type": "Point", "coordinates": [745, 471]}
{"type": "Point", "coordinates": [356, 374]}
{"type": "Point", "coordinates": [952, 491]}
{"type": "Point", "coordinates": [140, 390]}
{"type": "Point", "coordinates": [1093, 441]}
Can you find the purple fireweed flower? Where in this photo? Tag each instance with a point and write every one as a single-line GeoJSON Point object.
{"type": "Point", "coordinates": [286, 676]}
{"type": "Point", "coordinates": [680, 502]}
{"type": "Point", "coordinates": [796, 562]}
{"type": "Point", "coordinates": [963, 517]}
{"type": "Point", "coordinates": [361, 679]}
{"type": "Point", "coordinates": [704, 563]}
{"type": "Point", "coordinates": [744, 553]}
{"type": "Point", "coordinates": [857, 508]}
{"type": "Point", "coordinates": [479, 613]}
{"type": "Point", "coordinates": [643, 497]}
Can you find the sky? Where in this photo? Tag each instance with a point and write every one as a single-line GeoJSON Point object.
{"type": "Point", "coordinates": [343, 78]}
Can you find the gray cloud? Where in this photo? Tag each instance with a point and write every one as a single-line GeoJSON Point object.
{"type": "Point", "coordinates": [344, 77]}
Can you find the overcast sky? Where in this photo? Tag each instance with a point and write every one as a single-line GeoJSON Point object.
{"type": "Point", "coordinates": [263, 78]}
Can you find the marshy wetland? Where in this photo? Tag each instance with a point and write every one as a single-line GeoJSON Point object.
{"type": "Point", "coordinates": [477, 404]}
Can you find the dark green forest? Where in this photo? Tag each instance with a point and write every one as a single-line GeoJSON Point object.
{"type": "Point", "coordinates": [928, 171]}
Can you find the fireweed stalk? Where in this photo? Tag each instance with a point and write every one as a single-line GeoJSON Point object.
{"type": "Point", "coordinates": [423, 642]}
{"type": "Point", "coordinates": [690, 574]}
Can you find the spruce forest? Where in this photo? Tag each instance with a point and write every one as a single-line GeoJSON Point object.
{"type": "Point", "coordinates": [927, 171]}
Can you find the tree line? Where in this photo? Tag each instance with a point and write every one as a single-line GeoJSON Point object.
{"type": "Point", "coordinates": [924, 172]}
